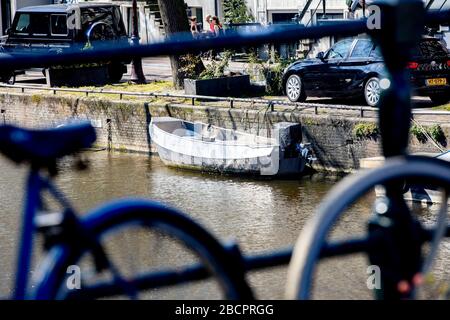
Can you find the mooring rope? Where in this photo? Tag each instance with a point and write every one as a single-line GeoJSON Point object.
{"type": "Point", "coordinates": [428, 136]}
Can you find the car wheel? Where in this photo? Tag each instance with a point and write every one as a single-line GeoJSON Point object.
{"type": "Point", "coordinates": [294, 89]}
{"type": "Point", "coordinates": [372, 92]}
{"type": "Point", "coordinates": [115, 72]}
{"type": "Point", "coordinates": [9, 79]}
{"type": "Point", "coordinates": [440, 99]}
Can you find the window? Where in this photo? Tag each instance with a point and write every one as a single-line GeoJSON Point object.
{"type": "Point", "coordinates": [58, 24]}
{"type": "Point", "coordinates": [5, 11]}
{"type": "Point", "coordinates": [40, 24]}
{"type": "Point", "coordinates": [36, 24]}
{"type": "Point", "coordinates": [430, 49]}
{"type": "Point", "coordinates": [89, 16]}
{"type": "Point", "coordinates": [198, 13]}
{"type": "Point", "coordinates": [283, 17]}
{"type": "Point", "coordinates": [328, 16]}
{"type": "Point", "coordinates": [23, 24]}
{"type": "Point", "coordinates": [340, 50]}
{"type": "Point", "coordinates": [362, 48]}
{"type": "Point", "coordinates": [376, 53]}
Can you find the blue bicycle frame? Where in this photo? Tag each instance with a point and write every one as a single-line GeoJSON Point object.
{"type": "Point", "coordinates": [35, 184]}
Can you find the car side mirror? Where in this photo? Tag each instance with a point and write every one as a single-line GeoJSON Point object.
{"type": "Point", "coordinates": [320, 56]}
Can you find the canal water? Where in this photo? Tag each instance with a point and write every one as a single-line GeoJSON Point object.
{"type": "Point", "coordinates": [260, 215]}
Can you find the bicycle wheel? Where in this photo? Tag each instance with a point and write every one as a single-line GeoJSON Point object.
{"type": "Point", "coordinates": [312, 244]}
{"type": "Point", "coordinates": [222, 264]}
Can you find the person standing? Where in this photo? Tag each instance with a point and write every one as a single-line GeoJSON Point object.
{"type": "Point", "coordinates": [210, 23]}
{"type": "Point", "coordinates": [194, 27]}
{"type": "Point", "coordinates": [218, 29]}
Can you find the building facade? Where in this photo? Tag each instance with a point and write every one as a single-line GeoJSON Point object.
{"type": "Point", "coordinates": [264, 11]}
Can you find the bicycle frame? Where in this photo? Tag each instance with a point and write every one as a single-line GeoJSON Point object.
{"type": "Point", "coordinates": [35, 184]}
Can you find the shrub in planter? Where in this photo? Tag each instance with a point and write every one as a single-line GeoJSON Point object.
{"type": "Point", "coordinates": [221, 87]}
{"type": "Point", "coordinates": [213, 81]}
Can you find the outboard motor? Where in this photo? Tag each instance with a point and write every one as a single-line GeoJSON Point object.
{"type": "Point", "coordinates": [293, 153]}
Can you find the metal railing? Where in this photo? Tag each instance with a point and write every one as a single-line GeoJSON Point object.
{"type": "Point", "coordinates": [270, 103]}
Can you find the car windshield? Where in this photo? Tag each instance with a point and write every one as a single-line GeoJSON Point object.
{"type": "Point", "coordinates": [429, 49]}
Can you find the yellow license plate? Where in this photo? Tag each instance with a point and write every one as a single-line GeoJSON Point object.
{"type": "Point", "coordinates": [437, 82]}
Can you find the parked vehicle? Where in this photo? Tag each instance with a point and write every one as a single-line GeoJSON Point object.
{"type": "Point", "coordinates": [55, 28]}
{"type": "Point", "coordinates": [353, 68]}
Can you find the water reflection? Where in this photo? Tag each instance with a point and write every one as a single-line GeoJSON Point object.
{"type": "Point", "coordinates": [259, 214]}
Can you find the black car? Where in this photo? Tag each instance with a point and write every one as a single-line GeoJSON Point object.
{"type": "Point", "coordinates": [55, 28]}
{"type": "Point", "coordinates": [354, 67]}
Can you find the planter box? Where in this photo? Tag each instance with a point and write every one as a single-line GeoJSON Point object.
{"type": "Point", "coordinates": [221, 87]}
{"type": "Point", "coordinates": [78, 77]}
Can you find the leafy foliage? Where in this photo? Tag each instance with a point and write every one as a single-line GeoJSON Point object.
{"type": "Point", "coordinates": [191, 66]}
{"type": "Point", "coordinates": [435, 132]}
{"type": "Point", "coordinates": [235, 11]}
{"type": "Point", "coordinates": [217, 69]}
{"type": "Point", "coordinates": [418, 133]}
{"type": "Point", "coordinates": [272, 72]}
{"type": "Point", "coordinates": [366, 131]}
{"type": "Point", "coordinates": [274, 75]}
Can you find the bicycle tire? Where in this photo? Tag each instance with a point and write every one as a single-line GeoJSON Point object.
{"type": "Point", "coordinates": [312, 238]}
{"type": "Point", "coordinates": [116, 214]}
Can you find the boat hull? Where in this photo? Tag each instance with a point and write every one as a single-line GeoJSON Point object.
{"type": "Point", "coordinates": [426, 197]}
{"type": "Point", "coordinates": [189, 150]}
{"type": "Point", "coordinates": [417, 194]}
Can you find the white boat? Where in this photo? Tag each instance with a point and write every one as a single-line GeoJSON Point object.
{"type": "Point", "coordinates": [421, 194]}
{"type": "Point", "coordinates": [200, 146]}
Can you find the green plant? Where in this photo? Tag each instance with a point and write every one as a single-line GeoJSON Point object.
{"type": "Point", "coordinates": [217, 69]}
{"type": "Point", "coordinates": [255, 68]}
{"type": "Point", "coordinates": [235, 11]}
{"type": "Point", "coordinates": [190, 66]}
{"type": "Point", "coordinates": [418, 133]}
{"type": "Point", "coordinates": [273, 72]}
{"type": "Point", "coordinates": [36, 98]}
{"type": "Point", "coordinates": [365, 131]}
{"type": "Point", "coordinates": [436, 133]}
{"type": "Point", "coordinates": [310, 122]}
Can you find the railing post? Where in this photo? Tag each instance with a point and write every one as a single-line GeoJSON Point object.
{"type": "Point", "coordinates": [193, 101]}
{"type": "Point", "coordinates": [316, 110]}
{"type": "Point", "coordinates": [231, 103]}
{"type": "Point", "coordinates": [361, 112]}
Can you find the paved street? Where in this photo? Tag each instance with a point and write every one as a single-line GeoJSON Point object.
{"type": "Point", "coordinates": [158, 68]}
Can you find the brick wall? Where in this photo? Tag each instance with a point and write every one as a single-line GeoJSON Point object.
{"type": "Point", "coordinates": [124, 125]}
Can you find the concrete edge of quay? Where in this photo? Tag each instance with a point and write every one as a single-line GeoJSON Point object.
{"type": "Point", "coordinates": [339, 141]}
